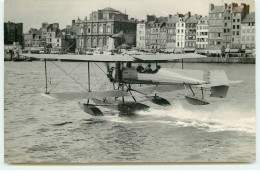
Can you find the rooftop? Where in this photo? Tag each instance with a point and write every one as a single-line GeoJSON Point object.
{"type": "Point", "coordinates": [111, 10]}
{"type": "Point", "coordinates": [249, 18]}
{"type": "Point", "coordinates": [218, 9]}
{"type": "Point", "coordinates": [193, 19]}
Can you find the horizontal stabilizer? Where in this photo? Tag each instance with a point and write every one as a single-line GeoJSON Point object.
{"type": "Point", "coordinates": [218, 77]}
{"type": "Point", "coordinates": [89, 95]}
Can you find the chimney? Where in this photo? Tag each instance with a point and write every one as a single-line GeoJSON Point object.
{"type": "Point", "coordinates": [170, 16]}
{"type": "Point", "coordinates": [211, 6]}
{"type": "Point", "coordinates": [225, 5]}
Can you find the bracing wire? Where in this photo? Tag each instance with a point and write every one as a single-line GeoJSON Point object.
{"type": "Point", "coordinates": [65, 77]}
{"type": "Point", "coordinates": [70, 76]}
{"type": "Point", "coordinates": [173, 65]}
{"type": "Point", "coordinates": [100, 68]}
{"type": "Point", "coordinates": [95, 74]}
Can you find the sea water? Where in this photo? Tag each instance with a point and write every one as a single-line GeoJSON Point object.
{"type": "Point", "coordinates": [42, 130]}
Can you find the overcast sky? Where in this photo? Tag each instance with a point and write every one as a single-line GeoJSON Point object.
{"type": "Point", "coordinates": [33, 12]}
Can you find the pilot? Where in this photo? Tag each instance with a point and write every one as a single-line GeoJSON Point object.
{"type": "Point", "coordinates": [157, 69]}
{"type": "Point", "coordinates": [140, 68]}
{"type": "Point", "coordinates": [148, 69]}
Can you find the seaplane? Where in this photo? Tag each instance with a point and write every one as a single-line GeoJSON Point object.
{"type": "Point", "coordinates": [127, 81]}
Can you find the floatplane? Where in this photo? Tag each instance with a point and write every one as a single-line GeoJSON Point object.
{"type": "Point", "coordinates": [127, 82]}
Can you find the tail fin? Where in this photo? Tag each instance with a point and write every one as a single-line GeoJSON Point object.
{"type": "Point", "coordinates": [219, 83]}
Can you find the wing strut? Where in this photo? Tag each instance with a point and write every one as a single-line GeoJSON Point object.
{"type": "Point", "coordinates": [88, 80]}
{"type": "Point", "coordinates": [45, 67]}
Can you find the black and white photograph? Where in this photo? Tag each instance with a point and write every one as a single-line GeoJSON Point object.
{"type": "Point", "coordinates": [125, 82]}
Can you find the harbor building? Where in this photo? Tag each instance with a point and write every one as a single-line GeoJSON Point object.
{"type": "Point", "coordinates": [13, 32]}
{"type": "Point", "coordinates": [171, 31]}
{"type": "Point", "coordinates": [102, 25]}
{"type": "Point", "coordinates": [202, 34]}
{"type": "Point", "coordinates": [238, 14]}
{"type": "Point", "coordinates": [180, 32]}
{"type": "Point", "coordinates": [140, 35]}
{"type": "Point", "coordinates": [190, 33]}
{"type": "Point", "coordinates": [248, 33]}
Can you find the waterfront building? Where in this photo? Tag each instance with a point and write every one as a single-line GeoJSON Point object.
{"type": "Point", "coordinates": [248, 32]}
{"type": "Point", "coordinates": [225, 26]}
{"type": "Point", "coordinates": [33, 41]}
{"type": "Point", "coordinates": [140, 35]}
{"type": "Point", "coordinates": [180, 32]}
{"type": "Point", "coordinates": [216, 24]}
{"type": "Point", "coordinates": [13, 32]}
{"type": "Point", "coordinates": [102, 24]}
{"type": "Point", "coordinates": [202, 34]}
{"type": "Point", "coordinates": [156, 33]}
{"type": "Point", "coordinates": [238, 13]}
{"type": "Point", "coordinates": [171, 31]}
{"type": "Point", "coordinates": [190, 33]}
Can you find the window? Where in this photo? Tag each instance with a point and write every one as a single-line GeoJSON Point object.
{"type": "Point", "coordinates": [57, 40]}
{"type": "Point", "coordinates": [218, 34]}
{"type": "Point", "coordinates": [237, 32]}
{"type": "Point", "coordinates": [225, 24]}
{"type": "Point", "coordinates": [108, 29]}
{"type": "Point", "coordinates": [182, 25]}
{"type": "Point", "coordinates": [228, 30]}
{"type": "Point", "coordinates": [182, 31]}
{"type": "Point", "coordinates": [243, 31]}
{"type": "Point", "coordinates": [238, 20]}
{"type": "Point", "coordinates": [237, 26]}
{"type": "Point", "coordinates": [228, 18]}
{"type": "Point", "coordinates": [234, 32]}
{"type": "Point", "coordinates": [100, 28]}
{"type": "Point", "coordinates": [253, 30]}
{"type": "Point", "coordinates": [234, 26]}
{"type": "Point", "coordinates": [234, 20]}
{"type": "Point", "coordinates": [224, 30]}
{"type": "Point", "coordinates": [89, 29]}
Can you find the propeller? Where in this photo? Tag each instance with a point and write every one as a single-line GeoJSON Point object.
{"type": "Point", "coordinates": [109, 71]}
{"type": "Point", "coordinates": [107, 66]}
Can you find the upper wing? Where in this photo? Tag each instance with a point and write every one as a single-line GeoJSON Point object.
{"type": "Point", "coordinates": [88, 58]}
{"type": "Point", "coordinates": [165, 57]}
{"type": "Point", "coordinates": [117, 58]}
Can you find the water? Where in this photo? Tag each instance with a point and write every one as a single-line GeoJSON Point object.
{"type": "Point", "coordinates": [40, 130]}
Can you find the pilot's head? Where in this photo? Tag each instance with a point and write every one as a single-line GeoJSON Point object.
{"type": "Point", "coordinates": [149, 65]}
{"type": "Point", "coordinates": [158, 67]}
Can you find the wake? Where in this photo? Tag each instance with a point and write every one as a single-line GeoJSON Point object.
{"type": "Point", "coordinates": [221, 118]}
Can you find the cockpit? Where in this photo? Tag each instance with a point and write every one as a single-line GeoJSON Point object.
{"type": "Point", "coordinates": [148, 69]}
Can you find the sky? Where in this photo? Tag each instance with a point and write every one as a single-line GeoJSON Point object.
{"type": "Point", "coordinates": [34, 12]}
